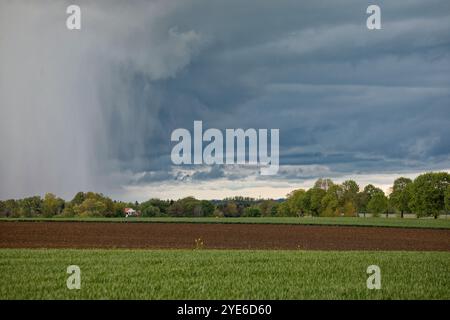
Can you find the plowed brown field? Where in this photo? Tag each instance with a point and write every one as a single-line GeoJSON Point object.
{"type": "Point", "coordinates": [217, 236]}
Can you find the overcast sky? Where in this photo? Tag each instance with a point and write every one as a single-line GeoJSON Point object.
{"type": "Point", "coordinates": [94, 109]}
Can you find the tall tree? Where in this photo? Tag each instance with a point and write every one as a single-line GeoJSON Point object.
{"type": "Point", "coordinates": [296, 202]}
{"type": "Point", "coordinates": [283, 209]}
{"type": "Point", "coordinates": [148, 209]}
{"type": "Point", "coordinates": [313, 199]}
{"type": "Point", "coordinates": [428, 193]}
{"type": "Point", "coordinates": [350, 189]}
{"type": "Point", "coordinates": [350, 197]}
{"type": "Point", "coordinates": [78, 199]}
{"type": "Point", "coordinates": [91, 207]}
{"type": "Point", "coordinates": [231, 209]}
{"type": "Point", "coordinates": [401, 195]}
{"type": "Point", "coordinates": [207, 208]}
{"type": "Point", "coordinates": [447, 200]}
{"type": "Point", "coordinates": [30, 206]}
{"type": "Point", "coordinates": [252, 212]}
{"type": "Point", "coordinates": [324, 184]}
{"type": "Point", "coordinates": [378, 204]}
{"type": "Point", "coordinates": [52, 205]}
{"type": "Point", "coordinates": [371, 190]}
{"type": "Point", "coordinates": [10, 208]}
{"type": "Point", "coordinates": [268, 208]}
{"type": "Point", "coordinates": [333, 201]}
{"type": "Point", "coordinates": [364, 197]}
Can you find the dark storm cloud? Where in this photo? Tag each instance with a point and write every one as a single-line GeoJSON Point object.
{"type": "Point", "coordinates": [346, 99]}
{"type": "Point", "coordinates": [343, 96]}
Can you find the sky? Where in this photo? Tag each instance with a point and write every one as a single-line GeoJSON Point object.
{"type": "Point", "coordinates": [94, 109]}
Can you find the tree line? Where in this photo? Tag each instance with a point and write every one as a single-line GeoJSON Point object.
{"type": "Point", "coordinates": [427, 195]}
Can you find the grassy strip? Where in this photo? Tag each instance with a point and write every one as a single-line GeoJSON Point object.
{"type": "Point", "coordinates": [209, 274]}
{"type": "Point", "coordinates": [340, 221]}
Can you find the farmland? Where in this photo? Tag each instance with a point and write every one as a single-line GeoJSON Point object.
{"type": "Point", "coordinates": [198, 259]}
{"type": "Point", "coordinates": [222, 274]}
{"type": "Point", "coordinates": [218, 236]}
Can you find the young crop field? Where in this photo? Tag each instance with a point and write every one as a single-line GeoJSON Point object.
{"type": "Point", "coordinates": [222, 274]}
{"type": "Point", "coordinates": [442, 223]}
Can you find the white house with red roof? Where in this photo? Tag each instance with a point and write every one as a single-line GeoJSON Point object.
{"type": "Point", "coordinates": [130, 212]}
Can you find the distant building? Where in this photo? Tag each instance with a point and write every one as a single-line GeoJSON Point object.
{"type": "Point", "coordinates": [130, 212]}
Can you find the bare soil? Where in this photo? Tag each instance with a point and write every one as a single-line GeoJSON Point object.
{"type": "Point", "coordinates": [218, 236]}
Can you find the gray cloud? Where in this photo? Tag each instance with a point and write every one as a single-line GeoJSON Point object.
{"type": "Point", "coordinates": [94, 109]}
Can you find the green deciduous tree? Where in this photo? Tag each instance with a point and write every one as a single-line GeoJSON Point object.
{"type": "Point", "coordinates": [92, 204]}
{"type": "Point", "coordinates": [447, 200]}
{"type": "Point", "coordinates": [378, 204]}
{"type": "Point", "coordinates": [91, 207]}
{"type": "Point", "coordinates": [78, 199]}
{"type": "Point", "coordinates": [2, 208]}
{"type": "Point", "coordinates": [119, 207]}
{"type": "Point", "coordinates": [324, 184]}
{"type": "Point", "coordinates": [148, 209]}
{"type": "Point", "coordinates": [333, 201]}
{"type": "Point", "coordinates": [68, 210]}
{"type": "Point", "coordinates": [231, 209]}
{"type": "Point", "coordinates": [401, 195]}
{"type": "Point", "coordinates": [30, 207]}
{"type": "Point", "coordinates": [350, 198]}
{"type": "Point", "coordinates": [313, 200]}
{"type": "Point", "coordinates": [349, 209]}
{"type": "Point", "coordinates": [162, 205]}
{"type": "Point", "coordinates": [350, 189]}
{"type": "Point", "coordinates": [52, 205]}
{"type": "Point", "coordinates": [191, 207]}
{"type": "Point", "coordinates": [365, 196]}
{"type": "Point", "coordinates": [10, 208]}
{"type": "Point", "coordinates": [296, 201]}
{"type": "Point", "coordinates": [268, 208]}
{"type": "Point", "coordinates": [252, 212]}
{"type": "Point", "coordinates": [283, 209]}
{"type": "Point", "coordinates": [207, 208]}
{"type": "Point", "coordinates": [428, 193]}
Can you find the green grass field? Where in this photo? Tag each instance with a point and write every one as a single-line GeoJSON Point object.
{"type": "Point", "coordinates": [205, 274]}
{"type": "Point", "coordinates": [342, 221]}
